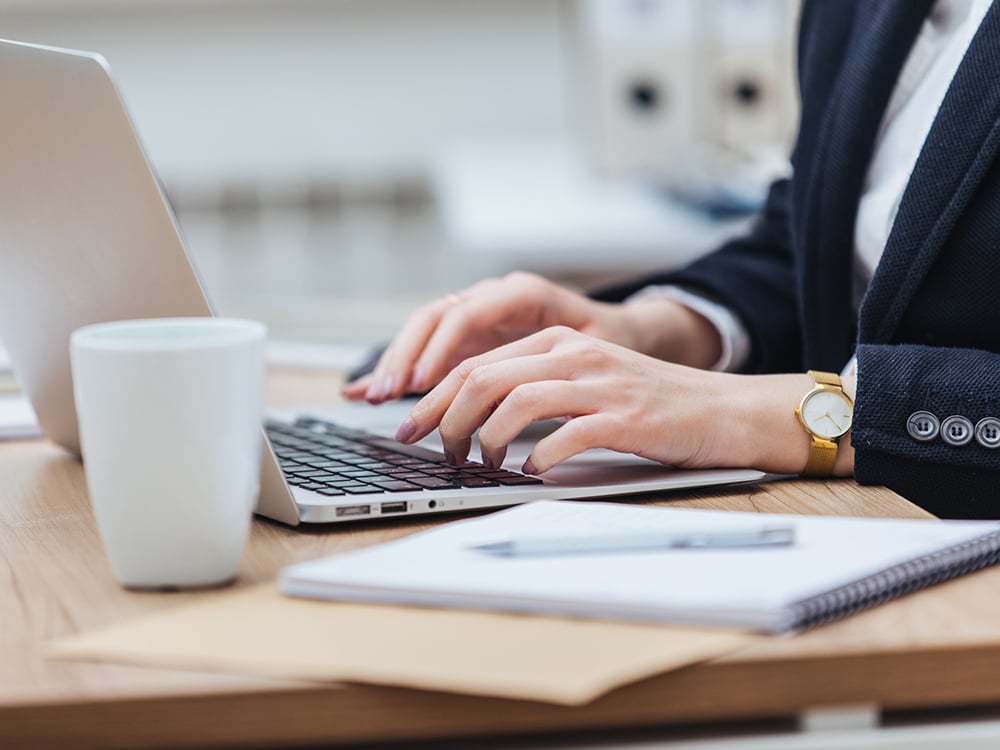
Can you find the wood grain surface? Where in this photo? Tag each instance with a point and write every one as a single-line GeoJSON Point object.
{"type": "Point", "coordinates": [939, 647]}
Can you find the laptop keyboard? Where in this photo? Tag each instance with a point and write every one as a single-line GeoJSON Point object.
{"type": "Point", "coordinates": [331, 459]}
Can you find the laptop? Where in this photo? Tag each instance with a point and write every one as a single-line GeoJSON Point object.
{"type": "Point", "coordinates": [87, 235]}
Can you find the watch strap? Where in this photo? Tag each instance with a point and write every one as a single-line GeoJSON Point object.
{"type": "Point", "coordinates": [825, 378]}
{"type": "Point", "coordinates": [822, 457]}
{"type": "Point", "coordinates": [822, 452]}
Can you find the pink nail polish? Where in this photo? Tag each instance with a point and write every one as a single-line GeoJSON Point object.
{"type": "Point", "coordinates": [450, 458]}
{"type": "Point", "coordinates": [417, 381]}
{"type": "Point", "coordinates": [406, 430]}
{"type": "Point", "coordinates": [529, 467]}
{"type": "Point", "coordinates": [373, 389]}
{"type": "Point", "coordinates": [388, 383]}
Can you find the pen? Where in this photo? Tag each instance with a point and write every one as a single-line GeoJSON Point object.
{"type": "Point", "coordinates": [645, 541]}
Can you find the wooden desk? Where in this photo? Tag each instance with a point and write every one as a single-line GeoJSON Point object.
{"type": "Point", "coordinates": [939, 647]}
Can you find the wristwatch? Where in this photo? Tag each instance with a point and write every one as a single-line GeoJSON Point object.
{"type": "Point", "coordinates": [826, 413]}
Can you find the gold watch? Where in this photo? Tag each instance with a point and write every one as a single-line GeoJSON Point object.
{"type": "Point", "coordinates": [826, 413]}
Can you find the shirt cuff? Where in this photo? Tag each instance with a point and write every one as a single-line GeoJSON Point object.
{"type": "Point", "coordinates": [732, 333]}
{"type": "Point", "coordinates": [850, 369]}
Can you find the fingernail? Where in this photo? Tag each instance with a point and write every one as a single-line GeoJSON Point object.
{"type": "Point", "coordinates": [417, 381]}
{"type": "Point", "coordinates": [450, 458]}
{"type": "Point", "coordinates": [406, 430]}
{"type": "Point", "coordinates": [529, 467]}
{"type": "Point", "coordinates": [388, 383]}
{"type": "Point", "coordinates": [373, 389]}
{"type": "Point", "coordinates": [488, 462]}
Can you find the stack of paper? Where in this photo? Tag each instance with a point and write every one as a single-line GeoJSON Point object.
{"type": "Point", "coordinates": [17, 418]}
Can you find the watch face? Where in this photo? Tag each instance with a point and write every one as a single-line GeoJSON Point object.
{"type": "Point", "coordinates": [827, 414]}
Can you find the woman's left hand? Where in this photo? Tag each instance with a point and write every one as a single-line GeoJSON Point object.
{"type": "Point", "coordinates": [617, 399]}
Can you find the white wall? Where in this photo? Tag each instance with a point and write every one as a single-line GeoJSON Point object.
{"type": "Point", "coordinates": [274, 93]}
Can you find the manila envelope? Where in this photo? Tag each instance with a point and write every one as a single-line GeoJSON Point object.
{"type": "Point", "coordinates": [259, 631]}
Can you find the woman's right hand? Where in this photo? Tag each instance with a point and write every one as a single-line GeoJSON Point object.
{"type": "Point", "coordinates": [442, 333]}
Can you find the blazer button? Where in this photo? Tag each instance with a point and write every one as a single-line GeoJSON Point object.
{"type": "Point", "coordinates": [923, 426]}
{"type": "Point", "coordinates": [988, 432]}
{"type": "Point", "coordinates": [956, 430]}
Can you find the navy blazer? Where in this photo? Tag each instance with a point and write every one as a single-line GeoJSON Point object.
{"type": "Point", "coordinates": [927, 335]}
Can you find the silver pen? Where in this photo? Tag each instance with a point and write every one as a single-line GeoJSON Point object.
{"type": "Point", "coordinates": [644, 541]}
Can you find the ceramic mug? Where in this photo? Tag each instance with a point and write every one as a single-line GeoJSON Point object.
{"type": "Point", "coordinates": [170, 416]}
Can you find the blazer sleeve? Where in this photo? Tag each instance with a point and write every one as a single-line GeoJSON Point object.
{"type": "Point", "coordinates": [754, 276]}
{"type": "Point", "coordinates": [906, 395]}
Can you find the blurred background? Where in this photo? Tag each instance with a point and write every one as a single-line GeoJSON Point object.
{"type": "Point", "coordinates": [333, 163]}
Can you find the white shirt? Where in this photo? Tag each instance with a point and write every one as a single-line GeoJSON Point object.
{"type": "Point", "coordinates": [921, 87]}
{"type": "Point", "coordinates": [915, 101]}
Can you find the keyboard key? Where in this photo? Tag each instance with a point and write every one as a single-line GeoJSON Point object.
{"type": "Point", "coordinates": [331, 479]}
{"type": "Point", "coordinates": [519, 479]}
{"type": "Point", "coordinates": [410, 461]}
{"type": "Point", "coordinates": [433, 483]}
{"type": "Point", "coordinates": [319, 455]}
{"type": "Point", "coordinates": [509, 477]}
{"type": "Point", "coordinates": [408, 475]}
{"type": "Point", "coordinates": [453, 475]}
{"type": "Point", "coordinates": [325, 463]}
{"type": "Point", "coordinates": [395, 485]}
{"type": "Point", "coordinates": [359, 473]}
{"type": "Point", "coordinates": [361, 489]}
{"type": "Point", "coordinates": [374, 464]}
{"type": "Point", "coordinates": [478, 482]}
{"type": "Point", "coordinates": [335, 480]}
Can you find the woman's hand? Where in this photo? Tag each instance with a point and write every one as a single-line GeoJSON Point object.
{"type": "Point", "coordinates": [617, 399]}
{"type": "Point", "coordinates": [443, 333]}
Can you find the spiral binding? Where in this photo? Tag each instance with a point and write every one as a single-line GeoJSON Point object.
{"type": "Point", "coordinates": [897, 581]}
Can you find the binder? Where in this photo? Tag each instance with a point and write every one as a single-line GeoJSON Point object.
{"type": "Point", "coordinates": [836, 566]}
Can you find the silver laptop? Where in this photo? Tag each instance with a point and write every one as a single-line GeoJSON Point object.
{"type": "Point", "coordinates": [86, 235]}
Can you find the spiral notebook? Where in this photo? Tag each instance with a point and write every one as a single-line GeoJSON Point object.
{"type": "Point", "coordinates": [834, 566]}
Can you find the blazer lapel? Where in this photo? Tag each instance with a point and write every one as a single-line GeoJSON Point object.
{"type": "Point", "coordinates": [884, 36]}
{"type": "Point", "coordinates": [960, 147]}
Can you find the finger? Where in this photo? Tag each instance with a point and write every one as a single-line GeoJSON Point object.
{"type": "Point", "coordinates": [394, 371]}
{"type": "Point", "coordinates": [475, 320]}
{"type": "Point", "coordinates": [429, 411]}
{"type": "Point", "coordinates": [529, 403]}
{"type": "Point", "coordinates": [475, 314]}
{"type": "Point", "coordinates": [491, 385]}
{"type": "Point", "coordinates": [573, 437]}
{"type": "Point", "coordinates": [356, 389]}
{"type": "Point", "coordinates": [458, 325]}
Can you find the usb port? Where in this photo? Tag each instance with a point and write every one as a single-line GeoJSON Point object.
{"type": "Point", "coordinates": [397, 507]}
{"type": "Point", "coordinates": [354, 510]}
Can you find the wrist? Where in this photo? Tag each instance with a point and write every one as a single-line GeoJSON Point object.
{"type": "Point", "coordinates": [751, 423]}
{"type": "Point", "coordinates": [670, 331]}
{"type": "Point", "coordinates": [770, 433]}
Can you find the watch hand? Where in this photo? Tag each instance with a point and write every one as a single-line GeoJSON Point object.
{"type": "Point", "coordinates": [832, 420]}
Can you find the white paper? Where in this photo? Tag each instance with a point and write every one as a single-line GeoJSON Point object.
{"type": "Point", "coordinates": [751, 587]}
{"type": "Point", "coordinates": [17, 418]}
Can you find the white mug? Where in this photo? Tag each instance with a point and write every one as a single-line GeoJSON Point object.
{"type": "Point", "coordinates": [170, 416]}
